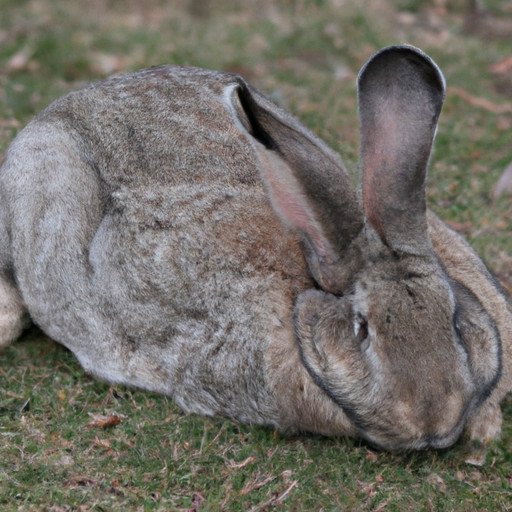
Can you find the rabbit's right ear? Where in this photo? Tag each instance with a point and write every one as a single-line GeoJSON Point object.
{"type": "Point", "coordinates": [401, 92]}
{"type": "Point", "coordinates": [306, 182]}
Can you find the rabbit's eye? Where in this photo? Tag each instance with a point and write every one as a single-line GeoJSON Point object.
{"type": "Point", "coordinates": [360, 328]}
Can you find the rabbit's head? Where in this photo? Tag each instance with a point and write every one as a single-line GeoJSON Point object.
{"type": "Point", "coordinates": [405, 351]}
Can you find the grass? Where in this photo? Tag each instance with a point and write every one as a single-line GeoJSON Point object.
{"type": "Point", "coordinates": [54, 454]}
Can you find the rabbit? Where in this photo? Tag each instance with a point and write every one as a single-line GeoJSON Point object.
{"type": "Point", "coordinates": [180, 233]}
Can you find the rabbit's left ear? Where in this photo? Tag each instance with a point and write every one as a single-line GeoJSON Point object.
{"type": "Point", "coordinates": [306, 182]}
{"type": "Point", "coordinates": [401, 92]}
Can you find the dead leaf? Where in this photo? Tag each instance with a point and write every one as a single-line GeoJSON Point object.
{"type": "Point", "coordinates": [502, 67]}
{"type": "Point", "coordinates": [368, 488]}
{"type": "Point", "coordinates": [19, 61]}
{"type": "Point", "coordinates": [197, 500]}
{"type": "Point", "coordinates": [101, 421]}
{"type": "Point", "coordinates": [9, 123]}
{"type": "Point", "coordinates": [459, 476]}
{"type": "Point", "coordinates": [371, 456]}
{"type": "Point", "coordinates": [436, 481]}
{"type": "Point", "coordinates": [104, 444]}
{"type": "Point", "coordinates": [107, 64]}
{"type": "Point", "coordinates": [79, 481]}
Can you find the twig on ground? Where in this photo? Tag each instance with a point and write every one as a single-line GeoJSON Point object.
{"type": "Point", "coordinates": [275, 500]}
{"type": "Point", "coordinates": [484, 103]}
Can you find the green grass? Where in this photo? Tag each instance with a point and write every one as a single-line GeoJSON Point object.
{"type": "Point", "coordinates": [306, 55]}
{"type": "Point", "coordinates": [159, 459]}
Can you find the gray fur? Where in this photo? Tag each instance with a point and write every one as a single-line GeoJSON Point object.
{"type": "Point", "coordinates": [169, 226]}
{"type": "Point", "coordinates": [401, 93]}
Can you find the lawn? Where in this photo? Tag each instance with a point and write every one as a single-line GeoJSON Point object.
{"type": "Point", "coordinates": [68, 442]}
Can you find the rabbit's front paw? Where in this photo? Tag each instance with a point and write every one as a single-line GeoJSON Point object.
{"type": "Point", "coordinates": [12, 313]}
{"type": "Point", "coordinates": [483, 428]}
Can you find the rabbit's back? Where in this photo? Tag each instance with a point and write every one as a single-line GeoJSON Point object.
{"type": "Point", "coordinates": [144, 241]}
{"type": "Point", "coordinates": [166, 125]}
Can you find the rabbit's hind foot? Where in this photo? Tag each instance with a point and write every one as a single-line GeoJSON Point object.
{"type": "Point", "coordinates": [13, 314]}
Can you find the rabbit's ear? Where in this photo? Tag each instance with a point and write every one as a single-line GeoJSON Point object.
{"type": "Point", "coordinates": [306, 182]}
{"type": "Point", "coordinates": [401, 92]}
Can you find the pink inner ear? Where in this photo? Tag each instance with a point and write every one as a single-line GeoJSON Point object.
{"type": "Point", "coordinates": [290, 202]}
{"type": "Point", "coordinates": [380, 146]}
{"type": "Point", "coordinates": [376, 165]}
{"type": "Point", "coordinates": [371, 192]}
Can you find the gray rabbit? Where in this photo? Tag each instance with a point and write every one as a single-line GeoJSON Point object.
{"type": "Point", "coordinates": [180, 233]}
